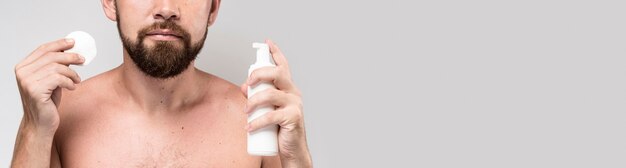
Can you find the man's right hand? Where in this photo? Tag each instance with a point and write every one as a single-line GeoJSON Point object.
{"type": "Point", "coordinates": [40, 77]}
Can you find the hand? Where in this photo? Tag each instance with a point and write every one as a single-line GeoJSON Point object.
{"type": "Point", "coordinates": [288, 114]}
{"type": "Point", "coordinates": [40, 77]}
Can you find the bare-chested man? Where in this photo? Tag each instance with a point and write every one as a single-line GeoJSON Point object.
{"type": "Point", "coordinates": [156, 109]}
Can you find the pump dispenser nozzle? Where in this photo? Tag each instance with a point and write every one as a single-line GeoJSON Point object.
{"type": "Point", "coordinates": [263, 57]}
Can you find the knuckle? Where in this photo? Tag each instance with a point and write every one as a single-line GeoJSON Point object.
{"type": "Point", "coordinates": [275, 73]}
{"type": "Point", "coordinates": [268, 94]}
{"type": "Point", "coordinates": [69, 81]}
{"type": "Point", "coordinates": [42, 47]}
{"type": "Point", "coordinates": [74, 73]}
{"type": "Point", "coordinates": [252, 103]}
{"type": "Point", "coordinates": [24, 85]}
{"type": "Point", "coordinates": [263, 74]}
{"type": "Point", "coordinates": [17, 67]}
{"type": "Point", "coordinates": [276, 94]}
{"type": "Point", "coordinates": [49, 68]}
{"type": "Point", "coordinates": [28, 82]}
{"type": "Point", "coordinates": [45, 57]}
{"type": "Point", "coordinates": [300, 105]}
{"type": "Point", "coordinates": [257, 98]}
{"type": "Point", "coordinates": [74, 57]}
{"type": "Point", "coordinates": [271, 90]}
{"type": "Point", "coordinates": [257, 74]}
{"type": "Point", "coordinates": [299, 112]}
{"type": "Point", "coordinates": [64, 57]}
{"type": "Point", "coordinates": [296, 115]}
{"type": "Point", "coordinates": [271, 116]}
{"type": "Point", "coordinates": [280, 115]}
{"type": "Point", "coordinates": [280, 70]}
{"type": "Point", "coordinates": [31, 90]}
{"type": "Point", "coordinates": [295, 100]}
{"type": "Point", "coordinates": [18, 73]}
{"type": "Point", "coordinates": [21, 81]}
{"type": "Point", "coordinates": [57, 67]}
{"type": "Point", "coordinates": [58, 77]}
{"type": "Point", "coordinates": [298, 92]}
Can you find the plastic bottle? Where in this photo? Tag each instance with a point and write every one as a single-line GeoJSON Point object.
{"type": "Point", "coordinates": [264, 141]}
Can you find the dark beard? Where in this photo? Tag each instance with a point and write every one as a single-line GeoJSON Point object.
{"type": "Point", "coordinates": [165, 59]}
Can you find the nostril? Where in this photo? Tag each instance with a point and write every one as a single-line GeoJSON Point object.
{"type": "Point", "coordinates": [166, 15]}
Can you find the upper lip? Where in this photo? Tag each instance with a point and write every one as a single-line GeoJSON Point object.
{"type": "Point", "coordinates": [167, 32]}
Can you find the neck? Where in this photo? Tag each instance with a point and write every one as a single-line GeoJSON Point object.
{"type": "Point", "coordinates": [159, 95]}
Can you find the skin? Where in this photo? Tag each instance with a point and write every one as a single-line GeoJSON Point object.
{"type": "Point", "coordinates": [123, 118]}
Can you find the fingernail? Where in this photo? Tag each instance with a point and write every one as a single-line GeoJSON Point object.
{"type": "Point", "coordinates": [69, 40]}
{"type": "Point", "coordinates": [82, 59]}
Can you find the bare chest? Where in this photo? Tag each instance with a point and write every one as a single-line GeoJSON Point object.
{"type": "Point", "coordinates": [111, 139]}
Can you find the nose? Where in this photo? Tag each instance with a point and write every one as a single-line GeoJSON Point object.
{"type": "Point", "coordinates": [166, 10]}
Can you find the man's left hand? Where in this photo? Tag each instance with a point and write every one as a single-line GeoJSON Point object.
{"type": "Point", "coordinates": [288, 114]}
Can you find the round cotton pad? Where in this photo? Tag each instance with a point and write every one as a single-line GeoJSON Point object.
{"type": "Point", "coordinates": [84, 45]}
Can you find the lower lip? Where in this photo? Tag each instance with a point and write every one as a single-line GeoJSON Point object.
{"type": "Point", "coordinates": [159, 37]}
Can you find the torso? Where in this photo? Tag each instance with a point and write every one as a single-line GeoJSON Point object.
{"type": "Point", "coordinates": [99, 129]}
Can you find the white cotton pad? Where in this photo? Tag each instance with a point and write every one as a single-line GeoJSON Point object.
{"type": "Point", "coordinates": [84, 45]}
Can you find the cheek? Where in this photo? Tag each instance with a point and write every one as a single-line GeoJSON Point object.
{"type": "Point", "coordinates": [132, 16]}
{"type": "Point", "coordinates": [198, 31]}
{"type": "Point", "coordinates": [129, 28]}
{"type": "Point", "coordinates": [199, 22]}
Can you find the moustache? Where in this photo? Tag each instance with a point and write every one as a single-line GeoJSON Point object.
{"type": "Point", "coordinates": [174, 28]}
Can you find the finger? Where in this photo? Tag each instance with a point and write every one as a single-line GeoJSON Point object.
{"type": "Point", "coordinates": [270, 118]}
{"type": "Point", "coordinates": [244, 89]}
{"type": "Point", "coordinates": [41, 90]}
{"type": "Point", "coordinates": [266, 98]}
{"type": "Point", "coordinates": [272, 75]}
{"type": "Point", "coordinates": [57, 94]}
{"type": "Point", "coordinates": [54, 57]}
{"type": "Point", "coordinates": [277, 54]}
{"type": "Point", "coordinates": [49, 59]}
{"type": "Point", "coordinates": [65, 71]}
{"type": "Point", "coordinates": [53, 70]}
{"type": "Point", "coordinates": [61, 58]}
{"type": "Point", "coordinates": [57, 80]}
{"type": "Point", "coordinates": [54, 46]}
{"type": "Point", "coordinates": [263, 74]}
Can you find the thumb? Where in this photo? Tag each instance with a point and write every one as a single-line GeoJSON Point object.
{"type": "Point", "coordinates": [56, 96]}
{"type": "Point", "coordinates": [244, 89]}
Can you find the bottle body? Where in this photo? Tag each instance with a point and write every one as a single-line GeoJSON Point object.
{"type": "Point", "coordinates": [264, 141]}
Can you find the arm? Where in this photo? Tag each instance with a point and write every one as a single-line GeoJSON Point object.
{"type": "Point", "coordinates": [40, 77]}
{"type": "Point", "coordinates": [32, 146]}
{"type": "Point", "coordinates": [292, 145]}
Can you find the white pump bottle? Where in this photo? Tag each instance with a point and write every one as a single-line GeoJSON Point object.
{"type": "Point", "coordinates": [264, 141]}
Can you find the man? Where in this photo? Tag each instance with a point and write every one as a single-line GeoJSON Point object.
{"type": "Point", "coordinates": [156, 109]}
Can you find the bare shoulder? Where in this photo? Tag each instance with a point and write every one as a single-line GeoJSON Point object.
{"type": "Point", "coordinates": [221, 88]}
{"type": "Point", "coordinates": [88, 93]}
{"type": "Point", "coordinates": [79, 105]}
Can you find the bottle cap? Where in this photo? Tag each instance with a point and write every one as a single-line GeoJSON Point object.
{"type": "Point", "coordinates": [263, 57]}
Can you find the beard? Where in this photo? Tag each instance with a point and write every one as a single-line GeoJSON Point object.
{"type": "Point", "coordinates": [165, 59]}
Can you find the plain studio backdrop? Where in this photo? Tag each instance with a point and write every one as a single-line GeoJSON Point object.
{"type": "Point", "coordinates": [447, 83]}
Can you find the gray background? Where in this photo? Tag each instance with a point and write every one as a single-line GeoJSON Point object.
{"type": "Point", "coordinates": [446, 83]}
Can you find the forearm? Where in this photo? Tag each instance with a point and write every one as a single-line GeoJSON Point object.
{"type": "Point", "coordinates": [32, 146]}
{"type": "Point", "coordinates": [301, 158]}
{"type": "Point", "coordinates": [304, 162]}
